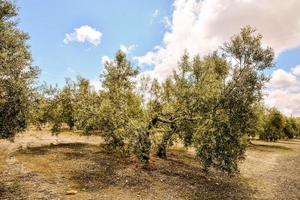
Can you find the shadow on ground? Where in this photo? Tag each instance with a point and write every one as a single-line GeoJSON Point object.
{"type": "Point", "coordinates": [93, 170]}
{"type": "Point", "coordinates": [289, 142]}
{"type": "Point", "coordinates": [269, 147]}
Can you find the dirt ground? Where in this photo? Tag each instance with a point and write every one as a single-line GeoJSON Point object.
{"type": "Point", "coordinates": [41, 166]}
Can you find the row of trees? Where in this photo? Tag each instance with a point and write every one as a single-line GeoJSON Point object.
{"type": "Point", "coordinates": [273, 125]}
{"type": "Point", "coordinates": [209, 103]}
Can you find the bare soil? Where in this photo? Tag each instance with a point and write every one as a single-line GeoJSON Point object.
{"type": "Point", "coordinates": [41, 166]}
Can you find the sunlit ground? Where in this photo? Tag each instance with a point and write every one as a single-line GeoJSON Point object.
{"type": "Point", "coordinates": [39, 165]}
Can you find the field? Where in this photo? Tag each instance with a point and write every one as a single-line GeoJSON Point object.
{"type": "Point", "coordinates": [41, 166]}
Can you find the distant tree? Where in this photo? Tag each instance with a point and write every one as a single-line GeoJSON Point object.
{"type": "Point", "coordinates": [258, 120]}
{"type": "Point", "coordinates": [17, 75]}
{"type": "Point", "coordinates": [40, 109]}
{"type": "Point", "coordinates": [291, 128]}
{"type": "Point", "coordinates": [298, 127]}
{"type": "Point", "coordinates": [67, 101]}
{"type": "Point", "coordinates": [55, 108]}
{"type": "Point", "coordinates": [87, 105]}
{"type": "Point", "coordinates": [274, 126]}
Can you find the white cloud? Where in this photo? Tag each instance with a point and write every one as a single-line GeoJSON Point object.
{"type": "Point", "coordinates": [154, 15]}
{"type": "Point", "coordinates": [96, 84]}
{"type": "Point", "coordinates": [167, 22]}
{"type": "Point", "coordinates": [202, 26]}
{"type": "Point", "coordinates": [84, 34]}
{"type": "Point", "coordinates": [71, 70]}
{"type": "Point", "coordinates": [282, 79]}
{"type": "Point", "coordinates": [296, 70]}
{"type": "Point", "coordinates": [146, 59]}
{"type": "Point", "coordinates": [283, 92]}
{"type": "Point", "coordinates": [127, 49]}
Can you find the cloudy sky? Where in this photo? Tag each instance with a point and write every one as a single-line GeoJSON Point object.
{"type": "Point", "coordinates": [70, 38]}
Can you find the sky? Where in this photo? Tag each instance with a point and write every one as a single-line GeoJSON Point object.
{"type": "Point", "coordinates": [72, 37]}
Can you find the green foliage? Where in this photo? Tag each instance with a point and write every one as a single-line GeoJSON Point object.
{"type": "Point", "coordinates": [257, 120]}
{"type": "Point", "coordinates": [297, 135]}
{"type": "Point", "coordinates": [60, 107]}
{"type": "Point", "coordinates": [40, 111]}
{"type": "Point", "coordinates": [291, 128]}
{"type": "Point", "coordinates": [53, 106]}
{"type": "Point", "coordinates": [87, 106]}
{"type": "Point", "coordinates": [121, 107]}
{"type": "Point", "coordinates": [142, 144]}
{"type": "Point", "coordinates": [17, 74]}
{"type": "Point", "coordinates": [161, 110]}
{"type": "Point", "coordinates": [66, 99]}
{"type": "Point", "coordinates": [212, 103]}
{"type": "Point", "coordinates": [273, 129]}
{"type": "Point", "coordinates": [196, 92]}
{"type": "Point", "coordinates": [182, 101]}
{"type": "Point", "coordinates": [221, 144]}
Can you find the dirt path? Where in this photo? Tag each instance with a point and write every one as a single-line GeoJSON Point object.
{"type": "Point", "coordinates": [49, 166]}
{"type": "Point", "coordinates": [273, 169]}
{"type": "Point", "coordinates": [287, 175]}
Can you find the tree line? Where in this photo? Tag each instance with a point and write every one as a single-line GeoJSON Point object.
{"type": "Point", "coordinates": [212, 103]}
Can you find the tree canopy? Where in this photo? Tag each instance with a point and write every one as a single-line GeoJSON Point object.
{"type": "Point", "coordinates": [17, 75]}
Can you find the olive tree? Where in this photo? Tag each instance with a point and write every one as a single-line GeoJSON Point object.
{"type": "Point", "coordinates": [17, 75]}
{"type": "Point", "coordinates": [41, 105]}
{"type": "Point", "coordinates": [86, 106]}
{"type": "Point", "coordinates": [222, 144]}
{"type": "Point", "coordinates": [121, 107]}
{"type": "Point", "coordinates": [273, 128]}
{"type": "Point", "coordinates": [291, 128]}
{"type": "Point", "coordinates": [211, 103]}
{"type": "Point", "coordinates": [186, 98]}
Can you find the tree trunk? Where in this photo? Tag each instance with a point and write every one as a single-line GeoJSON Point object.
{"type": "Point", "coordinates": [163, 145]}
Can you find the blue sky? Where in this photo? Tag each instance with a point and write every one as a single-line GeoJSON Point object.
{"type": "Point", "coordinates": [70, 37]}
{"type": "Point", "coordinates": [125, 22]}
{"type": "Point", "coordinates": [288, 59]}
